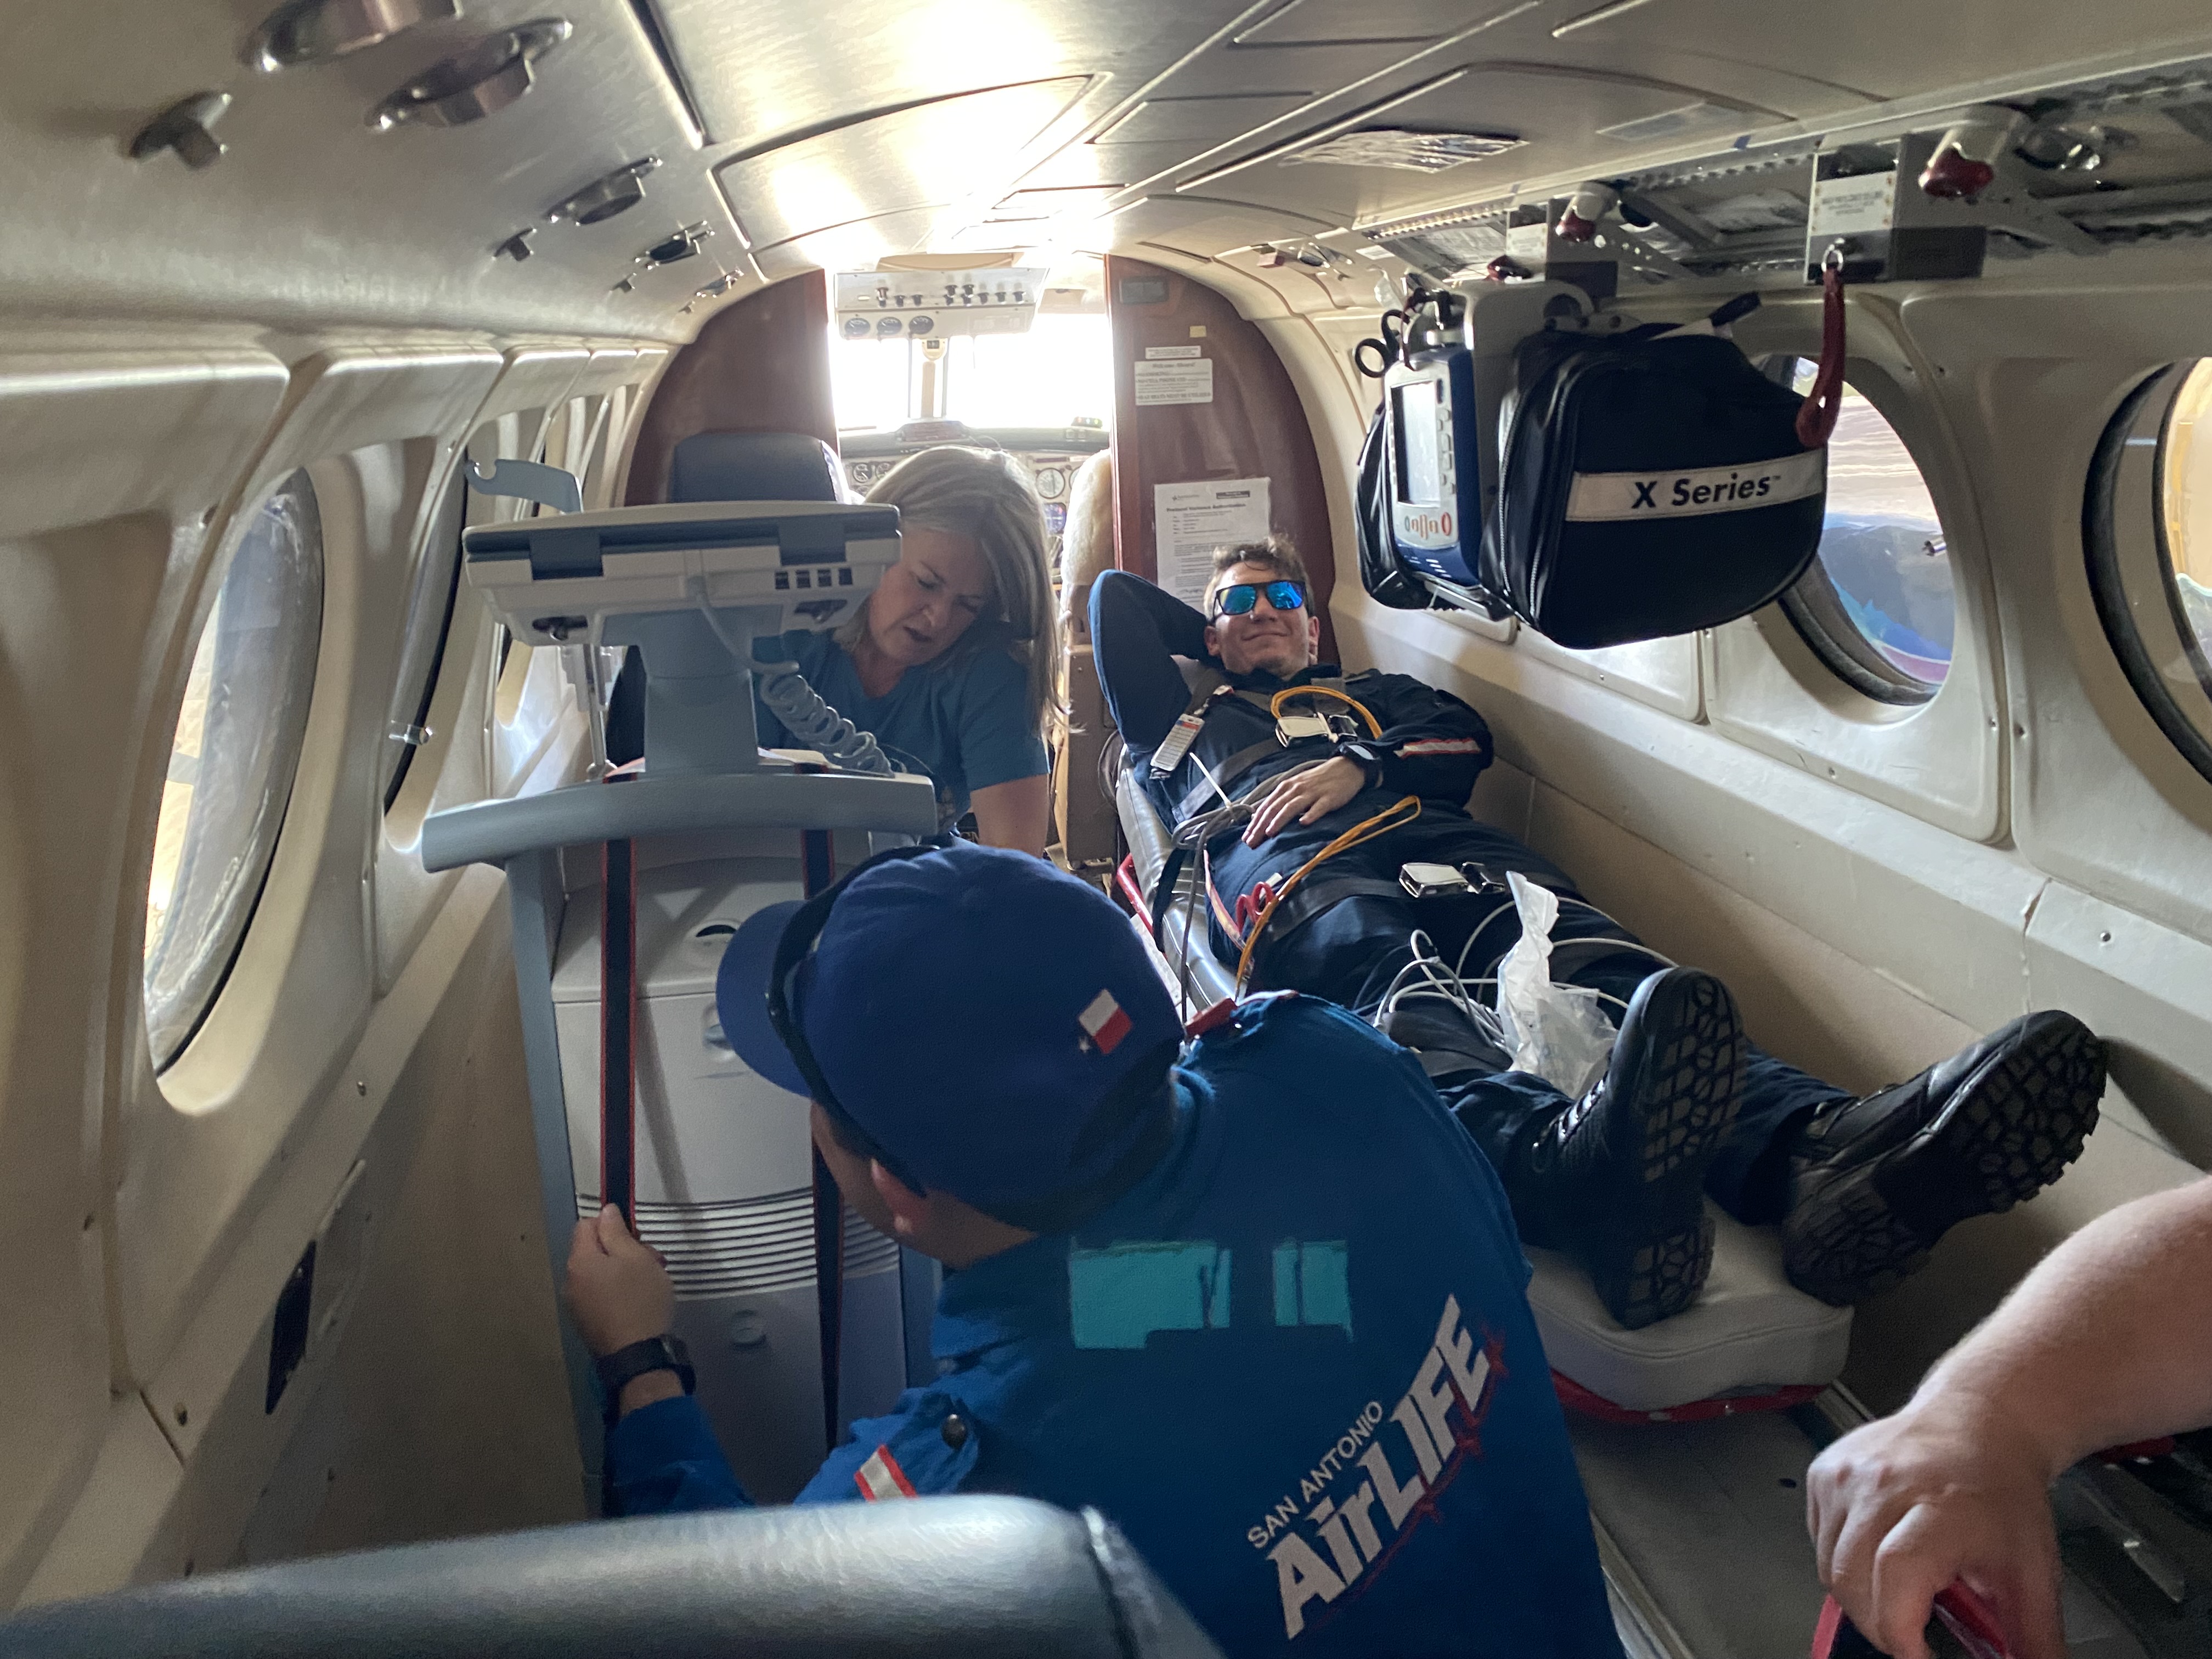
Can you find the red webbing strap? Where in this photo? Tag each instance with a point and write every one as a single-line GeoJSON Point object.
{"type": "Point", "coordinates": [818, 859]}
{"type": "Point", "coordinates": [1816, 415]}
{"type": "Point", "coordinates": [618, 1025]}
{"type": "Point", "coordinates": [1958, 1609]}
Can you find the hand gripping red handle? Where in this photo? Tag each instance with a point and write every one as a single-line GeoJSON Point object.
{"type": "Point", "coordinates": [1959, 1610]}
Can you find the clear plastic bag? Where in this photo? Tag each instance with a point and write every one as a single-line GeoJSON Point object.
{"type": "Point", "coordinates": [1560, 1033]}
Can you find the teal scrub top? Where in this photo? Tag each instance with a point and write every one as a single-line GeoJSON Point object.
{"type": "Point", "coordinates": [966, 724]}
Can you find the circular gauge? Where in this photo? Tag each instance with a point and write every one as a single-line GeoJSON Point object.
{"type": "Point", "coordinates": [921, 325]}
{"type": "Point", "coordinates": [888, 325]}
{"type": "Point", "coordinates": [856, 328]}
{"type": "Point", "coordinates": [1052, 482]}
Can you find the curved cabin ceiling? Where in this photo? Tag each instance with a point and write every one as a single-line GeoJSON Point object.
{"type": "Point", "coordinates": [834, 132]}
{"type": "Point", "coordinates": [908, 158]}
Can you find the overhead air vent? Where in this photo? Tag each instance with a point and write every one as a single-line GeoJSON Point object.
{"type": "Point", "coordinates": [317, 31]}
{"type": "Point", "coordinates": [481, 80]}
{"type": "Point", "coordinates": [1404, 150]}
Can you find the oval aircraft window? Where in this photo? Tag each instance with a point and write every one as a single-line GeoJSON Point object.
{"type": "Point", "coordinates": [232, 762]}
{"type": "Point", "coordinates": [2150, 550]}
{"type": "Point", "coordinates": [1877, 606]}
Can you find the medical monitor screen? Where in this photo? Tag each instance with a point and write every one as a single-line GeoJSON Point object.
{"type": "Point", "coordinates": [1420, 467]}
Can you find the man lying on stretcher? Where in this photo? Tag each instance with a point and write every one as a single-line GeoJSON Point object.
{"type": "Point", "coordinates": [1305, 796]}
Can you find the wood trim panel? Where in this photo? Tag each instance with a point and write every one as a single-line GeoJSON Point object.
{"type": "Point", "coordinates": [1256, 427]}
{"type": "Point", "coordinates": [761, 366]}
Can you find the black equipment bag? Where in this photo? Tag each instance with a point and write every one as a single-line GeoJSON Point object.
{"type": "Point", "coordinates": [1649, 486]}
{"type": "Point", "coordinates": [1387, 581]}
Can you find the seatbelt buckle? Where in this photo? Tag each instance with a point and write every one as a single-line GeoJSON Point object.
{"type": "Point", "coordinates": [1291, 728]}
{"type": "Point", "coordinates": [1177, 743]}
{"type": "Point", "coordinates": [1481, 878]}
{"type": "Point", "coordinates": [1432, 880]}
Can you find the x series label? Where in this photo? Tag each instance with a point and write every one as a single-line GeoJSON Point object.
{"type": "Point", "coordinates": [1617, 496]}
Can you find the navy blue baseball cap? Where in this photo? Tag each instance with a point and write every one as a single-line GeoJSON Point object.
{"type": "Point", "coordinates": [974, 1012]}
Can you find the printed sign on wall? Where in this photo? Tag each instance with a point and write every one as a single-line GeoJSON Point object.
{"type": "Point", "coordinates": [1191, 520]}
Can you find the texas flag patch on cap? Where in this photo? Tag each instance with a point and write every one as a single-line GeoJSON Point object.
{"type": "Point", "coordinates": [881, 1478]}
{"type": "Point", "coordinates": [1103, 1022]}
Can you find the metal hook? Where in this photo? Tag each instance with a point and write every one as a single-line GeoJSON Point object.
{"type": "Point", "coordinates": [531, 481]}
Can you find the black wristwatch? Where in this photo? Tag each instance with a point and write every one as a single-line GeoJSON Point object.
{"type": "Point", "coordinates": [656, 1354]}
{"type": "Point", "coordinates": [1363, 756]}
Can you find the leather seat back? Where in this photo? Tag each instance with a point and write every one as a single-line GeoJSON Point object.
{"type": "Point", "coordinates": [754, 466]}
{"type": "Point", "coordinates": [926, 1579]}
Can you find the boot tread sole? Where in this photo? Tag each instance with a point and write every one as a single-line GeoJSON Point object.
{"type": "Point", "coordinates": [2010, 1132]}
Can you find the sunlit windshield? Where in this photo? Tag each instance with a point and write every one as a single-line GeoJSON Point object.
{"type": "Point", "coordinates": [1062, 368]}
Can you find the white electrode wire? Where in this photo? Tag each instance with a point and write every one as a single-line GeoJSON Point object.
{"type": "Point", "coordinates": [1458, 968]}
{"type": "Point", "coordinates": [1611, 946]}
{"type": "Point", "coordinates": [1202, 826]}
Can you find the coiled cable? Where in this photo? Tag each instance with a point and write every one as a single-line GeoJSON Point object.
{"type": "Point", "coordinates": [803, 710]}
{"type": "Point", "coordinates": [814, 723]}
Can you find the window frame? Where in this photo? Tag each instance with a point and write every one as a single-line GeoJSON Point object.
{"type": "Point", "coordinates": [1814, 605]}
{"type": "Point", "coordinates": [237, 917]}
{"type": "Point", "coordinates": [435, 544]}
{"type": "Point", "coordinates": [2127, 485]}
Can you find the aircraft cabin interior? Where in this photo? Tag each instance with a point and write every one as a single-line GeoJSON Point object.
{"type": "Point", "coordinates": [418, 417]}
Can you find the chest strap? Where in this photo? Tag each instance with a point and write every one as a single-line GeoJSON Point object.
{"type": "Point", "coordinates": [1210, 687]}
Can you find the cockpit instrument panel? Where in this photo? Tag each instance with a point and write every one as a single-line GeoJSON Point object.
{"type": "Point", "coordinates": [921, 304]}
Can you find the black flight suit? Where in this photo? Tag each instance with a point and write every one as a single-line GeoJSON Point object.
{"type": "Point", "coordinates": [1347, 942]}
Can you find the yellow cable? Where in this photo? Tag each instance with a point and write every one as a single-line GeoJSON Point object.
{"type": "Point", "coordinates": [1388, 819]}
{"type": "Point", "coordinates": [1275, 703]}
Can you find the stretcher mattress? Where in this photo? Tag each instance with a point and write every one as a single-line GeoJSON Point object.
{"type": "Point", "coordinates": [1750, 1330]}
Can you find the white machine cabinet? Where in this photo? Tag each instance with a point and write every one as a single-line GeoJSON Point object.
{"type": "Point", "coordinates": [724, 1174]}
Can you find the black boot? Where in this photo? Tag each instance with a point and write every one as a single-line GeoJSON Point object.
{"type": "Point", "coordinates": [1617, 1180]}
{"type": "Point", "coordinates": [1874, 1182]}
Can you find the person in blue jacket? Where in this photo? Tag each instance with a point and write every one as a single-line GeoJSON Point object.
{"type": "Point", "coordinates": [1256, 1297]}
{"type": "Point", "coordinates": [952, 661]}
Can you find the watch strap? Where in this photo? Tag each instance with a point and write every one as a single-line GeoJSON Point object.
{"type": "Point", "coordinates": [1363, 756]}
{"type": "Point", "coordinates": [656, 1354]}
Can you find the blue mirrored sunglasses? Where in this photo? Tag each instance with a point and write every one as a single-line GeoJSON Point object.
{"type": "Point", "coordinates": [1240, 597]}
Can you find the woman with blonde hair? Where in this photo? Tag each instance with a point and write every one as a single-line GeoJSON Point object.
{"type": "Point", "coordinates": [952, 662]}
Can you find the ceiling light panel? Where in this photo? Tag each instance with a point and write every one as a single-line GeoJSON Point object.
{"type": "Point", "coordinates": [1348, 22]}
{"type": "Point", "coordinates": [1555, 112]}
{"type": "Point", "coordinates": [1201, 119]}
{"type": "Point", "coordinates": [948, 148]}
{"type": "Point", "coordinates": [771, 68]}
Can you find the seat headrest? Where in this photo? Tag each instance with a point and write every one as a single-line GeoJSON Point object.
{"type": "Point", "coordinates": [754, 466]}
{"type": "Point", "coordinates": [960, 1577]}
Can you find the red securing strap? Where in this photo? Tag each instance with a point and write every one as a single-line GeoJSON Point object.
{"type": "Point", "coordinates": [1816, 415]}
{"type": "Point", "coordinates": [1132, 895]}
{"type": "Point", "coordinates": [1587, 1403]}
{"type": "Point", "coordinates": [1972, 1620]}
{"type": "Point", "coordinates": [1207, 1020]}
{"type": "Point", "coordinates": [1958, 1609]}
{"type": "Point", "coordinates": [2157, 1447]}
